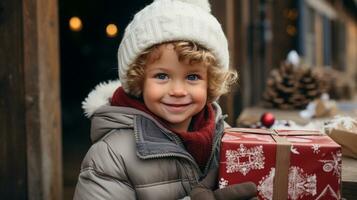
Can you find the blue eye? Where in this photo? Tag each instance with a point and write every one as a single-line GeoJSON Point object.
{"type": "Point", "coordinates": [161, 76]}
{"type": "Point", "coordinates": [192, 77]}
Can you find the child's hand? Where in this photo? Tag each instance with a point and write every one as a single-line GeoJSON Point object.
{"type": "Point", "coordinates": [240, 191]}
{"type": "Point", "coordinates": [201, 192]}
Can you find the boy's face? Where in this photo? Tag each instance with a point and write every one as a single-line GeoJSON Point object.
{"type": "Point", "coordinates": [173, 90]}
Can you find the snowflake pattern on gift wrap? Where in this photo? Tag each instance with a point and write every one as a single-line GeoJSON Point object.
{"type": "Point", "coordinates": [327, 193]}
{"type": "Point", "coordinates": [222, 183]}
{"type": "Point", "coordinates": [315, 148]}
{"type": "Point", "coordinates": [243, 159]}
{"type": "Point", "coordinates": [265, 187]}
{"type": "Point", "coordinates": [333, 165]}
{"type": "Point", "coordinates": [300, 184]}
{"type": "Point", "coordinates": [294, 150]}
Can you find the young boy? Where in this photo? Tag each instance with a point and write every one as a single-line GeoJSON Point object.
{"type": "Point", "coordinates": [157, 135]}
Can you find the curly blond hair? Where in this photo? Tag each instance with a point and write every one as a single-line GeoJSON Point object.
{"type": "Point", "coordinates": [219, 81]}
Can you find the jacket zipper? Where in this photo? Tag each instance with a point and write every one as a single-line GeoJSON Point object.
{"type": "Point", "coordinates": [214, 145]}
{"type": "Point", "coordinates": [162, 155]}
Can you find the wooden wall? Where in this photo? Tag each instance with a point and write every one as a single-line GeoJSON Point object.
{"type": "Point", "coordinates": [30, 125]}
{"type": "Point", "coordinates": [248, 31]}
{"type": "Point", "coordinates": [225, 12]}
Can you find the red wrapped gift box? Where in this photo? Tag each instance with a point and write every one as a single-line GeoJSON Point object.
{"type": "Point", "coordinates": [284, 164]}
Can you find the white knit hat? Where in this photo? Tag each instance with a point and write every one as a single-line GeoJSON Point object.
{"type": "Point", "coordinates": [172, 20]}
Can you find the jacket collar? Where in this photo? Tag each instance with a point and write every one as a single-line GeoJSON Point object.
{"type": "Point", "coordinates": [154, 141]}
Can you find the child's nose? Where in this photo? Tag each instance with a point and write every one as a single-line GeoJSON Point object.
{"type": "Point", "coordinates": [178, 89]}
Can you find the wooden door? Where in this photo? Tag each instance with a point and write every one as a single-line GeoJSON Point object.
{"type": "Point", "coordinates": [30, 125]}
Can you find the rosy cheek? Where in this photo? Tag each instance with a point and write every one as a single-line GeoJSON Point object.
{"type": "Point", "coordinates": [204, 95]}
{"type": "Point", "coordinates": [152, 92]}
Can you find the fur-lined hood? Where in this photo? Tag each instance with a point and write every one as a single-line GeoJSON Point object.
{"type": "Point", "coordinates": [99, 96]}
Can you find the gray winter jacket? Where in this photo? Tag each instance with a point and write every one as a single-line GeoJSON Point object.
{"type": "Point", "coordinates": [135, 157]}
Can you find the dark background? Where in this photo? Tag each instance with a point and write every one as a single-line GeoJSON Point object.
{"type": "Point", "coordinates": [88, 57]}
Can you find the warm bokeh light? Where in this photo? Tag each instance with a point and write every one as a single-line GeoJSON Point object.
{"type": "Point", "coordinates": [111, 30]}
{"type": "Point", "coordinates": [291, 30]}
{"type": "Point", "coordinates": [75, 24]}
{"type": "Point", "coordinates": [291, 14]}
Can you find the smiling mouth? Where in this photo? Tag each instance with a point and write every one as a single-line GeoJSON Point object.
{"type": "Point", "coordinates": [176, 108]}
{"type": "Point", "coordinates": [176, 105]}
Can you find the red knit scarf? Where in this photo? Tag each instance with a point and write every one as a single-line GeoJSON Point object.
{"type": "Point", "coordinates": [198, 142]}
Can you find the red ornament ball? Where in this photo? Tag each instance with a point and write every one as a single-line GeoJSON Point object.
{"type": "Point", "coordinates": [267, 119]}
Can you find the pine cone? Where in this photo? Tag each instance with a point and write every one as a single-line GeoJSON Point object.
{"type": "Point", "coordinates": [291, 88]}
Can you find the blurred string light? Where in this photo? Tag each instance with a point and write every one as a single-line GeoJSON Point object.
{"type": "Point", "coordinates": [111, 30]}
{"type": "Point", "coordinates": [291, 14]}
{"type": "Point", "coordinates": [75, 24]}
{"type": "Point", "coordinates": [291, 30]}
